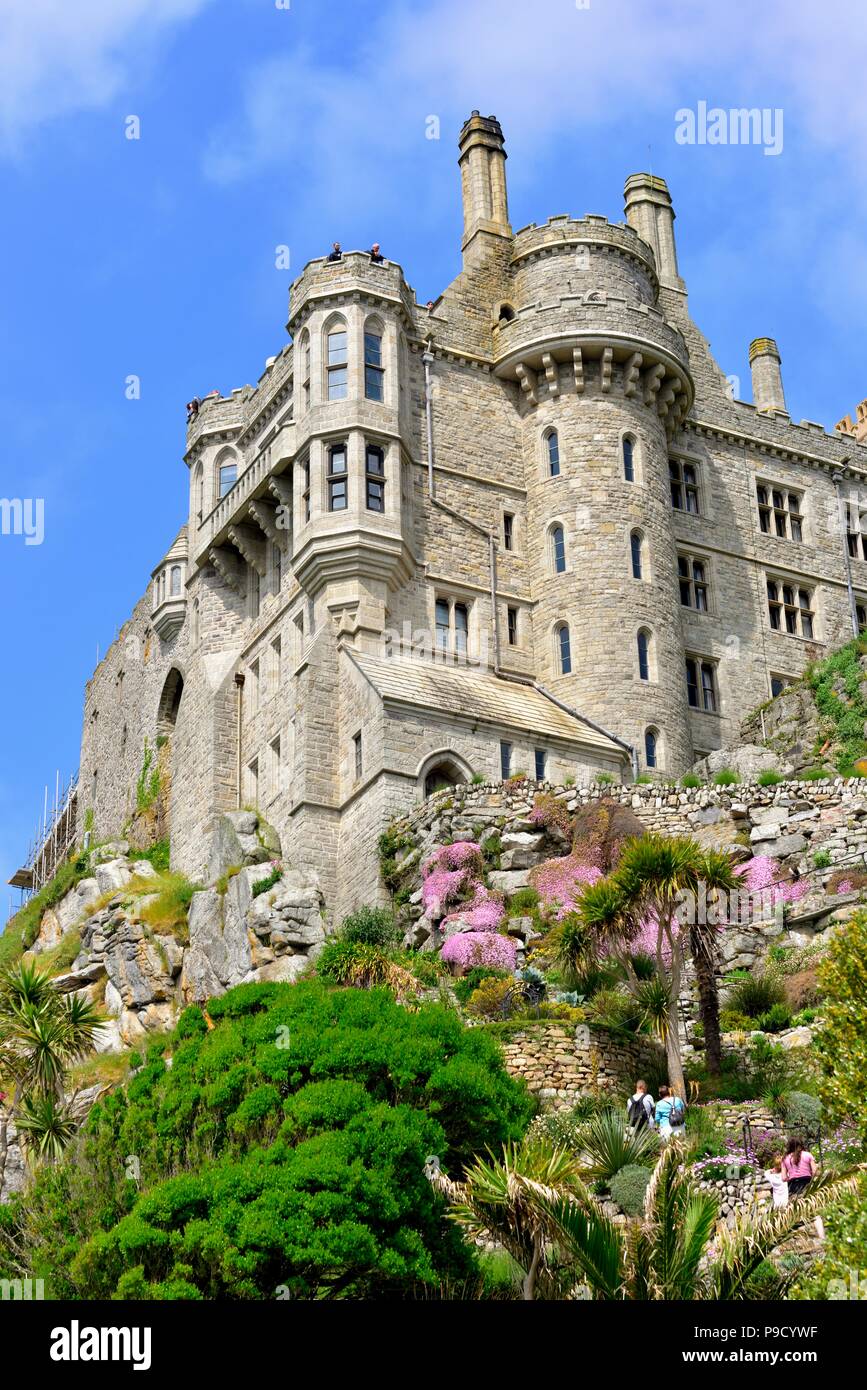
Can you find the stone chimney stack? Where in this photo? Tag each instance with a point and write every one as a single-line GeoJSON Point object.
{"type": "Point", "coordinates": [483, 178]}
{"type": "Point", "coordinates": [650, 212]}
{"type": "Point", "coordinates": [767, 376]}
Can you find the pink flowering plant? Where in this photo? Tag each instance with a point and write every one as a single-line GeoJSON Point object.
{"type": "Point", "coordinates": [560, 883]}
{"type": "Point", "coordinates": [475, 948]}
{"type": "Point", "coordinates": [764, 880]}
{"type": "Point", "coordinates": [485, 911]}
{"type": "Point", "coordinates": [450, 875]}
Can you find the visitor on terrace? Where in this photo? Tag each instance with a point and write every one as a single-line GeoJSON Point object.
{"type": "Point", "coordinates": [670, 1114]}
{"type": "Point", "coordinates": [639, 1108]}
{"type": "Point", "coordinates": [799, 1167]}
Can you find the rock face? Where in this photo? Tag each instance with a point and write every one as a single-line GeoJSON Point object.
{"type": "Point", "coordinates": [748, 761]}
{"type": "Point", "coordinates": [144, 975]}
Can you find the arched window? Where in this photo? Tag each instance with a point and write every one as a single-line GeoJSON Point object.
{"type": "Point", "coordinates": [644, 654]}
{"type": "Point", "coordinates": [175, 582]}
{"type": "Point", "coordinates": [337, 353]}
{"type": "Point", "coordinates": [651, 747]}
{"type": "Point", "coordinates": [636, 542]}
{"type": "Point", "coordinates": [628, 458]}
{"type": "Point", "coordinates": [305, 368]}
{"type": "Point", "coordinates": [552, 449]}
{"type": "Point", "coordinates": [228, 475]}
{"type": "Point", "coordinates": [506, 313]}
{"type": "Point", "coordinates": [194, 628]}
{"type": "Point", "coordinates": [564, 650]}
{"type": "Point", "coordinates": [199, 493]}
{"type": "Point", "coordinates": [374, 371]}
{"type": "Point", "coordinates": [558, 549]}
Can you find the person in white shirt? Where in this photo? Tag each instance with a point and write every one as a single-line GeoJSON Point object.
{"type": "Point", "coordinates": [779, 1186]}
{"type": "Point", "coordinates": [639, 1108]}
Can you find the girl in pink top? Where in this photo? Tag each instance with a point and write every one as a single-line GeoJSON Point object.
{"type": "Point", "coordinates": [799, 1166]}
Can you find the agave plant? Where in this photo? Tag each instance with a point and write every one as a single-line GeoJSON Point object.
{"type": "Point", "coordinates": [606, 1144]}
{"type": "Point", "coordinates": [45, 1124]}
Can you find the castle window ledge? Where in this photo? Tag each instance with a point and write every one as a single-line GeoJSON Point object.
{"type": "Point", "coordinates": [233, 509]}
{"type": "Point", "coordinates": [168, 617]}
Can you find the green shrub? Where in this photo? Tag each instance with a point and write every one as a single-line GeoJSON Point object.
{"type": "Point", "coordinates": [609, 1145]}
{"type": "Point", "coordinates": [615, 1009]}
{"type": "Point", "coordinates": [756, 994]}
{"type": "Point", "coordinates": [477, 779]}
{"type": "Point", "coordinates": [157, 855]}
{"type": "Point", "coordinates": [467, 984]}
{"type": "Point", "coordinates": [690, 780]}
{"type": "Point", "coordinates": [284, 1146]}
{"type": "Point", "coordinates": [802, 1114]}
{"type": "Point", "coordinates": [628, 1187]}
{"type": "Point", "coordinates": [262, 885]}
{"type": "Point", "coordinates": [775, 1019]}
{"type": "Point", "coordinates": [371, 926]}
{"type": "Point", "coordinates": [726, 777]}
{"type": "Point", "coordinates": [148, 784]}
{"type": "Point", "coordinates": [815, 774]}
{"type": "Point", "coordinates": [841, 1271]}
{"type": "Point", "coordinates": [643, 779]}
{"type": "Point", "coordinates": [768, 778]}
{"type": "Point", "coordinates": [523, 902]}
{"type": "Point", "coordinates": [733, 1022]}
{"type": "Point", "coordinates": [821, 859]}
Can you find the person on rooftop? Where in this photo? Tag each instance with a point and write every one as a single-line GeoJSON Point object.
{"type": "Point", "coordinates": [335, 254]}
{"type": "Point", "coordinates": [375, 254]}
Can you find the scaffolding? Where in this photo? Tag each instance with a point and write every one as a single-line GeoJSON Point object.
{"type": "Point", "coordinates": [52, 841]}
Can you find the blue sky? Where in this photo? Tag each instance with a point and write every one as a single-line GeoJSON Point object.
{"type": "Point", "coordinates": [264, 124]}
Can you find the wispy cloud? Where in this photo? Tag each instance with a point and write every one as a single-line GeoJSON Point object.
{"type": "Point", "coordinates": [58, 58]}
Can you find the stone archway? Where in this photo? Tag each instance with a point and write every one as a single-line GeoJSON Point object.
{"type": "Point", "coordinates": [170, 702]}
{"type": "Point", "coordinates": [442, 770]}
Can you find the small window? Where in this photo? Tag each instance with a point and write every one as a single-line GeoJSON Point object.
{"type": "Point", "coordinates": [552, 446]}
{"type": "Point", "coordinates": [228, 477]}
{"type": "Point", "coordinates": [253, 687]}
{"type": "Point", "coordinates": [790, 609]}
{"type": "Point", "coordinates": [253, 782]}
{"type": "Point", "coordinates": [443, 624]}
{"type": "Point", "coordinates": [359, 757]}
{"type": "Point", "coordinates": [255, 591]}
{"type": "Point", "coordinates": [305, 494]}
{"type": "Point", "coordinates": [558, 549]}
{"type": "Point", "coordinates": [651, 744]}
{"type": "Point", "coordinates": [505, 760]}
{"type": "Point", "coordinates": [683, 481]}
{"type": "Point", "coordinates": [276, 567]}
{"type": "Point", "coordinates": [375, 478]}
{"type": "Point", "coordinates": [541, 761]}
{"type": "Point", "coordinates": [629, 458]}
{"type": "Point", "coordinates": [861, 614]}
{"type": "Point", "coordinates": [276, 765]}
{"type": "Point", "coordinates": [856, 534]}
{"type": "Point", "coordinates": [692, 579]}
{"type": "Point", "coordinates": [701, 689]}
{"type": "Point", "coordinates": [175, 581]}
{"type": "Point", "coordinates": [337, 478]}
{"type": "Point", "coordinates": [508, 531]}
{"type": "Point", "coordinates": [276, 664]}
{"type": "Point", "coordinates": [373, 370]}
{"type": "Point", "coordinates": [338, 365]}
{"type": "Point", "coordinates": [636, 546]}
{"type": "Point", "coordinates": [512, 625]}
{"type": "Point", "coordinates": [462, 628]}
{"type": "Point", "coordinates": [644, 655]}
{"type": "Point", "coordinates": [564, 650]}
{"type": "Point", "coordinates": [779, 683]}
{"type": "Point", "coordinates": [200, 493]}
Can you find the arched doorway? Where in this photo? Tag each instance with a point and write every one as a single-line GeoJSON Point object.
{"type": "Point", "coordinates": [441, 771]}
{"type": "Point", "coordinates": [170, 702]}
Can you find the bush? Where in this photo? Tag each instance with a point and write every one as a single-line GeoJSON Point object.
{"type": "Point", "coordinates": [841, 1271]}
{"type": "Point", "coordinates": [487, 1001]}
{"type": "Point", "coordinates": [768, 778]}
{"type": "Point", "coordinates": [263, 884]}
{"type": "Point", "coordinates": [815, 774]}
{"type": "Point", "coordinates": [523, 902]}
{"type": "Point", "coordinates": [775, 1019]}
{"type": "Point", "coordinates": [371, 926]}
{"type": "Point", "coordinates": [467, 984]}
{"type": "Point", "coordinates": [821, 859]}
{"type": "Point", "coordinates": [609, 1145]}
{"type": "Point", "coordinates": [615, 1009]}
{"type": "Point", "coordinates": [726, 777]}
{"type": "Point", "coordinates": [756, 994]}
{"type": "Point", "coordinates": [803, 1115]}
{"type": "Point", "coordinates": [690, 780]}
{"type": "Point", "coordinates": [628, 1187]}
{"type": "Point", "coordinates": [802, 989]}
{"type": "Point", "coordinates": [285, 1145]}
{"type": "Point", "coordinates": [841, 1043]}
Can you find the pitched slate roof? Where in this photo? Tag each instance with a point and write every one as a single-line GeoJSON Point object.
{"type": "Point", "coordinates": [477, 694]}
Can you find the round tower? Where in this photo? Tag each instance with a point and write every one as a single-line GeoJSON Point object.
{"type": "Point", "coordinates": [604, 383]}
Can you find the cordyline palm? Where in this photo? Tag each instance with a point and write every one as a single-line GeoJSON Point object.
{"type": "Point", "coordinates": [42, 1032]}
{"type": "Point", "coordinates": [664, 882]}
{"type": "Point", "coordinates": [674, 1252]}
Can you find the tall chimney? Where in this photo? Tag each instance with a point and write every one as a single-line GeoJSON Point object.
{"type": "Point", "coordinates": [767, 376]}
{"type": "Point", "coordinates": [483, 178]}
{"type": "Point", "coordinates": [650, 212]}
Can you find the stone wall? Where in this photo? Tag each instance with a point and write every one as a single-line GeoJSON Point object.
{"type": "Point", "coordinates": [560, 1063]}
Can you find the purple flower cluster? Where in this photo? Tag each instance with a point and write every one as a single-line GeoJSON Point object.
{"type": "Point", "coordinates": [560, 882]}
{"type": "Point", "coordinates": [762, 874]}
{"type": "Point", "coordinates": [470, 948]}
{"type": "Point", "coordinates": [484, 912]}
{"type": "Point", "coordinates": [449, 874]}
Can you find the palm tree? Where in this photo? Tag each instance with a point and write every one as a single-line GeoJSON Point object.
{"type": "Point", "coordinates": [659, 882]}
{"type": "Point", "coordinates": [674, 1252]}
{"type": "Point", "coordinates": [42, 1032]}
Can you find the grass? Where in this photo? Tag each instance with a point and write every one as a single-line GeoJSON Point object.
{"type": "Point", "coordinates": [23, 928]}
{"type": "Point", "coordinates": [167, 910]}
{"type": "Point", "coordinates": [768, 778]}
{"type": "Point", "coordinates": [222, 883]}
{"type": "Point", "coordinates": [60, 957]}
{"type": "Point", "coordinates": [690, 780]}
{"type": "Point", "coordinates": [263, 884]}
{"type": "Point", "coordinates": [726, 777]}
{"type": "Point", "coordinates": [102, 1069]}
{"type": "Point", "coordinates": [816, 774]}
{"type": "Point", "coordinates": [157, 855]}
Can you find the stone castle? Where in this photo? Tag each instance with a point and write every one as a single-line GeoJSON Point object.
{"type": "Point", "coordinates": [525, 528]}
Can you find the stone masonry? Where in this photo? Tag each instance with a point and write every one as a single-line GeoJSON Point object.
{"type": "Point", "coordinates": [434, 541]}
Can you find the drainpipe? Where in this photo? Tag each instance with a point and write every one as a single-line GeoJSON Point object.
{"type": "Point", "coordinates": [841, 512]}
{"type": "Point", "coordinates": [427, 358]}
{"type": "Point", "coordinates": [591, 724]}
{"type": "Point", "coordinates": [239, 682]}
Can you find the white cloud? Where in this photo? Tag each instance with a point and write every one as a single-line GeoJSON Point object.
{"type": "Point", "coordinates": [58, 57]}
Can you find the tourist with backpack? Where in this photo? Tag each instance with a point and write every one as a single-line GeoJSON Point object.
{"type": "Point", "coordinates": [670, 1114]}
{"type": "Point", "coordinates": [639, 1108]}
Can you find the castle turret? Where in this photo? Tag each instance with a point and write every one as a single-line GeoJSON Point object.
{"type": "Point", "coordinates": [767, 376]}
{"type": "Point", "coordinates": [483, 179]}
{"type": "Point", "coordinates": [649, 210]}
